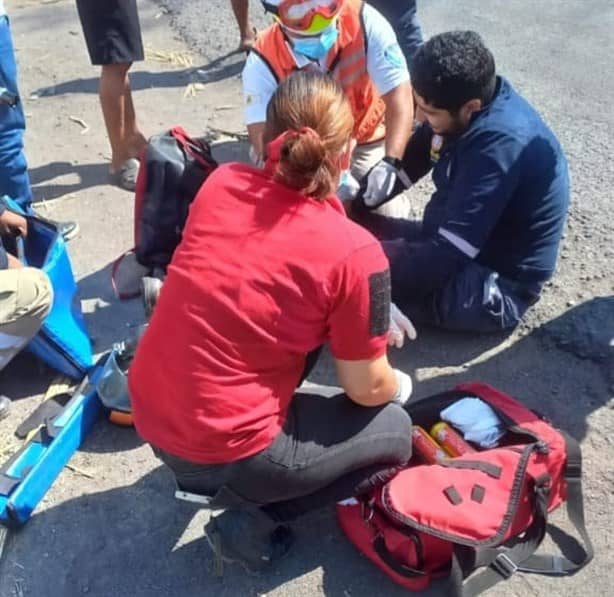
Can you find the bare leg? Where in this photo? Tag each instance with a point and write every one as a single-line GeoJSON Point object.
{"type": "Point", "coordinates": [125, 138]}
{"type": "Point", "coordinates": [241, 10]}
{"type": "Point", "coordinates": [135, 140]}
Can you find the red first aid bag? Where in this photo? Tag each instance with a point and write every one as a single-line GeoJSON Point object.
{"type": "Point", "coordinates": [471, 521]}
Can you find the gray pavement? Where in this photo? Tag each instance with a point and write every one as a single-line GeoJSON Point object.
{"type": "Point", "coordinates": [110, 527]}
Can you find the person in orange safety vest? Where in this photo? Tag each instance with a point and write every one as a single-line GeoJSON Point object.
{"type": "Point", "coordinates": [352, 42]}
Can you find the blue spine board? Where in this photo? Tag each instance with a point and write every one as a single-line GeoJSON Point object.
{"type": "Point", "coordinates": [63, 341]}
{"type": "Point", "coordinates": [46, 460]}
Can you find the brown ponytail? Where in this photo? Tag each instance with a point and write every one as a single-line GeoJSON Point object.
{"type": "Point", "coordinates": [313, 112]}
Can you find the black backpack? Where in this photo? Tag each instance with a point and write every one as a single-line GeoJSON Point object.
{"type": "Point", "coordinates": [173, 168]}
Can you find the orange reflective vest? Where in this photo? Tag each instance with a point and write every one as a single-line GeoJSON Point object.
{"type": "Point", "coordinates": [346, 61]}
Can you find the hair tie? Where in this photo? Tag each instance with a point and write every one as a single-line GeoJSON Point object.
{"type": "Point", "coordinates": [274, 147]}
{"type": "Point", "coordinates": [307, 130]}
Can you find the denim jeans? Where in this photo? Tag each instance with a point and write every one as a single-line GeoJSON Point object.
{"type": "Point", "coordinates": [14, 179]}
{"type": "Point", "coordinates": [401, 14]}
{"type": "Point", "coordinates": [329, 449]}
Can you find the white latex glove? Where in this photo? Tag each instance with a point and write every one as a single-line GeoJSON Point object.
{"type": "Point", "coordinates": [404, 387]}
{"type": "Point", "coordinates": [380, 183]}
{"type": "Point", "coordinates": [348, 186]}
{"type": "Point", "coordinates": [400, 325]}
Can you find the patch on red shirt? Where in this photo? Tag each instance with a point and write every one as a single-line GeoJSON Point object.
{"type": "Point", "coordinates": [379, 303]}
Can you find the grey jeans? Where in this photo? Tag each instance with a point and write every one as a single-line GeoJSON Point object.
{"type": "Point", "coordinates": [329, 449]}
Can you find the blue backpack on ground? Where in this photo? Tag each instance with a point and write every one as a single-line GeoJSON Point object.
{"type": "Point", "coordinates": [63, 341]}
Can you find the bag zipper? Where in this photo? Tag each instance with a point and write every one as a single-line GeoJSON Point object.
{"type": "Point", "coordinates": [410, 534]}
{"type": "Point", "coordinates": [448, 398]}
{"type": "Point", "coordinates": [373, 506]}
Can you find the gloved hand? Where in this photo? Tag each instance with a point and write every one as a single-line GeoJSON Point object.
{"type": "Point", "coordinates": [380, 182]}
{"type": "Point", "coordinates": [348, 186]}
{"type": "Point", "coordinates": [404, 387]}
{"type": "Point", "coordinates": [399, 326]}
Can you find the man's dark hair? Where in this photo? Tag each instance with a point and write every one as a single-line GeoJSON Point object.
{"type": "Point", "coordinates": [452, 68]}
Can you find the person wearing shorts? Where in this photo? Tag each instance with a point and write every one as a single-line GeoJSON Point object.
{"type": "Point", "coordinates": [352, 42]}
{"type": "Point", "coordinates": [240, 8]}
{"type": "Point", "coordinates": [113, 36]}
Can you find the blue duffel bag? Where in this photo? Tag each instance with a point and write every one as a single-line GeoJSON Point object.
{"type": "Point", "coordinates": [63, 341]}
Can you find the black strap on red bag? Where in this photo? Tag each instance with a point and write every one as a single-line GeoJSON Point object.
{"type": "Point", "coordinates": [424, 527]}
{"type": "Point", "coordinates": [499, 564]}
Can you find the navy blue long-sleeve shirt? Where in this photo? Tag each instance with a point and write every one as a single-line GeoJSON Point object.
{"type": "Point", "coordinates": [502, 193]}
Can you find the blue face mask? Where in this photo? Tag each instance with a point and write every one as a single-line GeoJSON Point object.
{"type": "Point", "coordinates": [317, 47]}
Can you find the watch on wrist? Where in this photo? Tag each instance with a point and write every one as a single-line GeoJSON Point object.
{"type": "Point", "coordinates": [396, 163]}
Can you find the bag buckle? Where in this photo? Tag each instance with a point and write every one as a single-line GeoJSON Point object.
{"type": "Point", "coordinates": [573, 470]}
{"type": "Point", "coordinates": [367, 510]}
{"type": "Point", "coordinates": [504, 565]}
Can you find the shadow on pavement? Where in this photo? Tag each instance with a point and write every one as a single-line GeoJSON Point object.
{"type": "Point", "coordinates": [109, 319]}
{"type": "Point", "coordinates": [128, 542]}
{"type": "Point", "coordinates": [587, 331]}
{"type": "Point", "coordinates": [25, 376]}
{"type": "Point", "coordinates": [532, 367]}
{"type": "Point", "coordinates": [95, 175]}
{"type": "Point", "coordinates": [224, 67]}
{"type": "Point", "coordinates": [89, 175]}
{"type": "Point", "coordinates": [138, 541]}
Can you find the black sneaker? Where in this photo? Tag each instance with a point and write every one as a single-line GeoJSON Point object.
{"type": "Point", "coordinates": [5, 407]}
{"type": "Point", "coordinates": [247, 538]}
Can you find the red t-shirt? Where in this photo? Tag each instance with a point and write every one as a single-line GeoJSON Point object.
{"type": "Point", "coordinates": [262, 276]}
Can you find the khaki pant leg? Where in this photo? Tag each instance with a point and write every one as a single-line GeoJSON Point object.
{"type": "Point", "coordinates": [26, 297]}
{"type": "Point", "coordinates": [364, 157]}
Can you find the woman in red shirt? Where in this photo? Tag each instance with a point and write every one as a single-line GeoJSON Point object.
{"type": "Point", "coordinates": [270, 269]}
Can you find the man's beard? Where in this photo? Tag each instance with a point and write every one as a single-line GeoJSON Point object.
{"type": "Point", "coordinates": [457, 127]}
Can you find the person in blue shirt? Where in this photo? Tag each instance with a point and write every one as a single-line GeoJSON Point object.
{"type": "Point", "coordinates": [491, 231]}
{"type": "Point", "coordinates": [14, 179]}
{"type": "Point", "coordinates": [401, 14]}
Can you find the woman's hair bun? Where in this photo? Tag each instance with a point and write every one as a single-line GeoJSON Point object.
{"type": "Point", "coordinates": [311, 113]}
{"type": "Point", "coordinates": [303, 162]}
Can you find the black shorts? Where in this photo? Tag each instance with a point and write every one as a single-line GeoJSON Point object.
{"type": "Point", "coordinates": [112, 31]}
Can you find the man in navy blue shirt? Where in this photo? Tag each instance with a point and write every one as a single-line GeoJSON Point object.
{"type": "Point", "coordinates": [491, 231]}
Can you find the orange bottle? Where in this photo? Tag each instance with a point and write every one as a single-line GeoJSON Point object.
{"type": "Point", "coordinates": [450, 440]}
{"type": "Point", "coordinates": [426, 447]}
